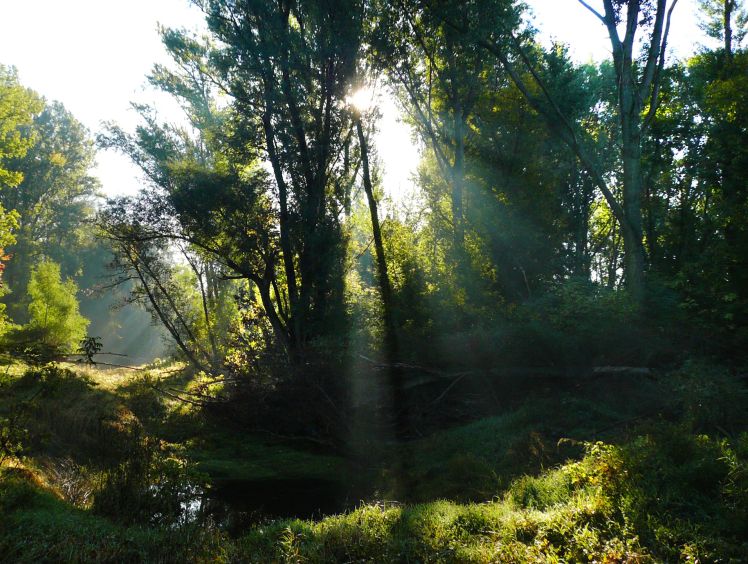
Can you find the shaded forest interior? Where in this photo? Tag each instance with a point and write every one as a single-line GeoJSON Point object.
{"type": "Point", "coordinates": [267, 355]}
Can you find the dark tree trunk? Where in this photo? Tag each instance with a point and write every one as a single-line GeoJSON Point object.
{"type": "Point", "coordinates": [632, 230]}
{"type": "Point", "coordinates": [391, 342]}
{"type": "Point", "coordinates": [384, 280]}
{"type": "Point", "coordinates": [729, 7]}
{"type": "Point", "coordinates": [458, 181]}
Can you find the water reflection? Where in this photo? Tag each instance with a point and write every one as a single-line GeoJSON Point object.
{"type": "Point", "coordinates": [236, 505]}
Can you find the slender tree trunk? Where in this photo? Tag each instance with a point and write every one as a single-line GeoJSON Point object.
{"type": "Point", "coordinates": [206, 310]}
{"type": "Point", "coordinates": [285, 240]}
{"type": "Point", "coordinates": [631, 228]}
{"type": "Point", "coordinates": [583, 252]}
{"type": "Point", "coordinates": [162, 316]}
{"type": "Point", "coordinates": [685, 249]}
{"type": "Point", "coordinates": [278, 328]}
{"type": "Point", "coordinates": [395, 373]}
{"type": "Point", "coordinates": [651, 226]}
{"type": "Point", "coordinates": [458, 182]}
{"type": "Point", "coordinates": [729, 6]}
{"type": "Point", "coordinates": [384, 279]}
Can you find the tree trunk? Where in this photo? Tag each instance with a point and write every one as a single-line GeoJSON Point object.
{"type": "Point", "coordinates": [285, 240]}
{"type": "Point", "coordinates": [729, 6]}
{"type": "Point", "coordinates": [384, 279]}
{"type": "Point", "coordinates": [631, 228]}
{"type": "Point", "coordinates": [458, 181]}
{"type": "Point", "coordinates": [395, 373]}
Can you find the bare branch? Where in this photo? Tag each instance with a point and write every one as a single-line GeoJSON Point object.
{"type": "Point", "coordinates": [597, 14]}
{"type": "Point", "coordinates": [654, 51]}
{"type": "Point", "coordinates": [654, 99]}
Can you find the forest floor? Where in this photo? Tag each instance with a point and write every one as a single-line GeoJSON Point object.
{"type": "Point", "coordinates": [641, 468]}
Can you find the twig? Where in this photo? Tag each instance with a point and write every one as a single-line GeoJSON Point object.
{"type": "Point", "coordinates": [206, 397]}
{"type": "Point", "coordinates": [403, 365]}
{"type": "Point", "coordinates": [120, 366]}
{"type": "Point", "coordinates": [452, 385]}
{"type": "Point", "coordinates": [179, 398]}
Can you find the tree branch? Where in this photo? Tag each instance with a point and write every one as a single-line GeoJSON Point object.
{"type": "Point", "coordinates": [597, 14]}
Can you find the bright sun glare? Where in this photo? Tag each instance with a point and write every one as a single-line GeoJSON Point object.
{"type": "Point", "coordinates": [362, 99]}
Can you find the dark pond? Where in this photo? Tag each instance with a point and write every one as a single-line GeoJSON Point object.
{"type": "Point", "coordinates": [235, 505]}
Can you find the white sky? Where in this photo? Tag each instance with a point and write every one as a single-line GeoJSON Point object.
{"type": "Point", "coordinates": [569, 22]}
{"type": "Point", "coordinates": [93, 56]}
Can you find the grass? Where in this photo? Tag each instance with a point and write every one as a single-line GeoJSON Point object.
{"type": "Point", "coordinates": [72, 412]}
{"type": "Point", "coordinates": [107, 378]}
{"type": "Point", "coordinates": [473, 461]}
{"type": "Point", "coordinates": [222, 455]}
{"type": "Point", "coordinates": [607, 507]}
{"type": "Point", "coordinates": [598, 509]}
{"type": "Point", "coordinates": [40, 527]}
{"type": "Point", "coordinates": [647, 471]}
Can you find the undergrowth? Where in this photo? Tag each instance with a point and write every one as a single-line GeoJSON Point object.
{"type": "Point", "coordinates": [666, 497]}
{"type": "Point", "coordinates": [671, 486]}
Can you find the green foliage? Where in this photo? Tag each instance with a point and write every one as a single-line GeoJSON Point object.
{"type": "Point", "coordinates": [511, 281]}
{"type": "Point", "coordinates": [38, 526]}
{"type": "Point", "coordinates": [591, 510]}
{"type": "Point", "coordinates": [89, 347]}
{"type": "Point", "coordinates": [581, 323]}
{"type": "Point", "coordinates": [52, 201]}
{"type": "Point", "coordinates": [148, 485]}
{"type": "Point", "coordinates": [666, 491]}
{"type": "Point", "coordinates": [709, 398]}
{"type": "Point", "coordinates": [17, 108]}
{"type": "Point", "coordinates": [60, 410]}
{"type": "Point", "coordinates": [649, 501]}
{"type": "Point", "coordinates": [45, 214]}
{"type": "Point", "coordinates": [53, 309]}
{"type": "Point", "coordinates": [713, 23]}
{"type": "Point", "coordinates": [12, 438]}
{"type": "Point", "coordinates": [8, 222]}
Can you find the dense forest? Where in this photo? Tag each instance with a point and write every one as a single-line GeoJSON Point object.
{"type": "Point", "coordinates": [265, 355]}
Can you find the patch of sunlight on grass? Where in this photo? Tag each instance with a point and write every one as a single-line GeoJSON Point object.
{"type": "Point", "coordinates": [13, 369]}
{"type": "Point", "coordinates": [105, 377]}
{"type": "Point", "coordinates": [112, 378]}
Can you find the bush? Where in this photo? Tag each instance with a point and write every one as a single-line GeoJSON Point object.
{"type": "Point", "coordinates": [37, 526]}
{"type": "Point", "coordinates": [54, 308]}
{"type": "Point", "coordinates": [148, 486]}
{"type": "Point", "coordinates": [708, 398]}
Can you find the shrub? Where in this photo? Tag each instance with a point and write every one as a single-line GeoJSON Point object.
{"type": "Point", "coordinates": [54, 308]}
{"type": "Point", "coordinates": [147, 486]}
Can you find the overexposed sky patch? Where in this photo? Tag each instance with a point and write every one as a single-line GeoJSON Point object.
{"type": "Point", "coordinates": [569, 22]}
{"type": "Point", "coordinates": [93, 56]}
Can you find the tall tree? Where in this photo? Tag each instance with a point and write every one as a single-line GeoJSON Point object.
{"type": "Point", "coordinates": [439, 74]}
{"type": "Point", "coordinates": [18, 105]}
{"type": "Point", "coordinates": [726, 21]}
{"type": "Point", "coordinates": [54, 199]}
{"type": "Point", "coordinates": [288, 70]}
{"type": "Point", "coordinates": [720, 92]}
{"type": "Point", "coordinates": [385, 286]}
{"type": "Point", "coordinates": [637, 82]}
{"type": "Point", "coordinates": [179, 298]}
{"type": "Point", "coordinates": [53, 309]}
{"type": "Point", "coordinates": [289, 67]}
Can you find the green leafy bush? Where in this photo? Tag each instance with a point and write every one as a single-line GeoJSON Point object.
{"type": "Point", "coordinates": [53, 309]}
{"type": "Point", "coordinates": [147, 486]}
